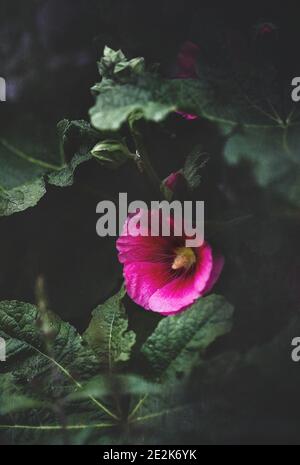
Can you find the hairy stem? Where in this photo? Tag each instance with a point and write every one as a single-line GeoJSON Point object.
{"type": "Point", "coordinates": [142, 154]}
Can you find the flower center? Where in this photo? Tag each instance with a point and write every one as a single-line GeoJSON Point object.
{"type": "Point", "coordinates": [185, 258]}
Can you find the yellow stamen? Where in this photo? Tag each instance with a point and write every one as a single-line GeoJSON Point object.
{"type": "Point", "coordinates": [185, 258]}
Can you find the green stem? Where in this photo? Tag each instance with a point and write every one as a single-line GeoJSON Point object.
{"type": "Point", "coordinates": [137, 407]}
{"type": "Point", "coordinates": [57, 427]}
{"type": "Point", "coordinates": [78, 384]}
{"type": "Point", "coordinates": [150, 416]}
{"type": "Point", "coordinates": [141, 152]}
{"type": "Point", "coordinates": [19, 153]}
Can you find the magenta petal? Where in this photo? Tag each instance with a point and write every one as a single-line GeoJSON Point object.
{"type": "Point", "coordinates": [182, 292]}
{"type": "Point", "coordinates": [143, 279]}
{"type": "Point", "coordinates": [204, 267]}
{"type": "Point", "coordinates": [187, 116]}
{"type": "Point", "coordinates": [150, 280]}
{"type": "Point", "coordinates": [172, 180]}
{"type": "Point", "coordinates": [218, 263]}
{"type": "Point", "coordinates": [141, 248]}
{"type": "Point", "coordinates": [186, 60]}
{"type": "Point", "coordinates": [173, 297]}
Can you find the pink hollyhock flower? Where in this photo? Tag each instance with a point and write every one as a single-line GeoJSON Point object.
{"type": "Point", "coordinates": [186, 68]}
{"type": "Point", "coordinates": [161, 273]}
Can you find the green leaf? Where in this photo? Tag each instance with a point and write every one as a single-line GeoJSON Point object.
{"type": "Point", "coordinates": [19, 198]}
{"type": "Point", "coordinates": [12, 399]}
{"type": "Point", "coordinates": [243, 98]}
{"type": "Point", "coordinates": [111, 153]}
{"type": "Point", "coordinates": [194, 162]}
{"type": "Point", "coordinates": [25, 159]}
{"type": "Point", "coordinates": [179, 341]}
{"type": "Point", "coordinates": [114, 64]}
{"type": "Point", "coordinates": [124, 385]}
{"type": "Point", "coordinates": [33, 159]}
{"type": "Point", "coordinates": [125, 88]}
{"type": "Point", "coordinates": [22, 326]}
{"type": "Point", "coordinates": [108, 333]}
{"type": "Point", "coordinates": [77, 138]}
{"type": "Point", "coordinates": [272, 155]}
{"type": "Point", "coordinates": [114, 105]}
{"type": "Point", "coordinates": [248, 94]}
{"type": "Point", "coordinates": [45, 362]}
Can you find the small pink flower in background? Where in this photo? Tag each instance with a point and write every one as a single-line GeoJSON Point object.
{"type": "Point", "coordinates": [187, 116]}
{"type": "Point", "coordinates": [261, 29]}
{"type": "Point", "coordinates": [186, 68]}
{"type": "Point", "coordinates": [186, 61]}
{"type": "Point", "coordinates": [161, 273]}
{"type": "Point", "coordinates": [172, 181]}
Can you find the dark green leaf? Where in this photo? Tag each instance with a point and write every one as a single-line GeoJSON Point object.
{"type": "Point", "coordinates": [45, 362]}
{"type": "Point", "coordinates": [194, 162]}
{"type": "Point", "coordinates": [77, 138]}
{"type": "Point", "coordinates": [108, 333]}
{"type": "Point", "coordinates": [179, 341]}
{"type": "Point", "coordinates": [32, 160]}
{"type": "Point", "coordinates": [26, 340]}
{"type": "Point", "coordinates": [24, 162]}
{"type": "Point", "coordinates": [243, 99]}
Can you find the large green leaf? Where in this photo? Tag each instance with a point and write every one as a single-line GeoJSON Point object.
{"type": "Point", "coordinates": [108, 333]}
{"type": "Point", "coordinates": [35, 341]}
{"type": "Point", "coordinates": [77, 138]}
{"type": "Point", "coordinates": [126, 88]}
{"type": "Point", "coordinates": [247, 92]}
{"type": "Point", "coordinates": [50, 387]}
{"type": "Point", "coordinates": [179, 341]}
{"type": "Point", "coordinates": [46, 362]}
{"type": "Point", "coordinates": [28, 160]}
{"type": "Point", "coordinates": [25, 159]}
